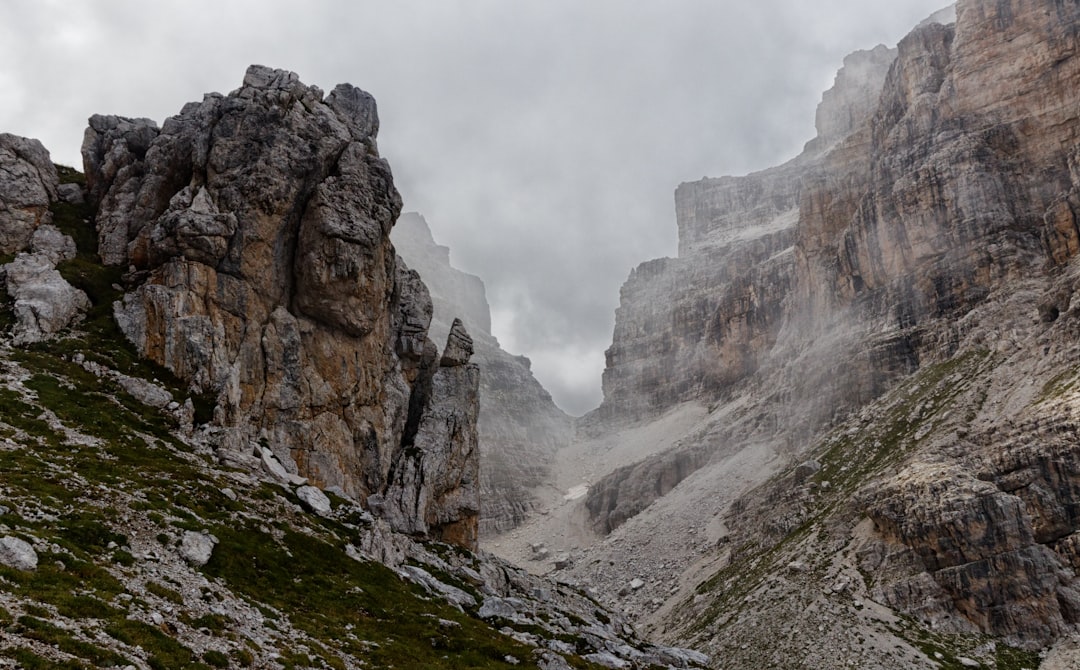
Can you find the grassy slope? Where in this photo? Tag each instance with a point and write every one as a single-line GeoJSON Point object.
{"type": "Point", "coordinates": [104, 490]}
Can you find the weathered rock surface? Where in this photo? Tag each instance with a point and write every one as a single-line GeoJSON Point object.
{"type": "Point", "coordinates": [257, 227]}
{"type": "Point", "coordinates": [197, 548]}
{"type": "Point", "coordinates": [44, 302]}
{"type": "Point", "coordinates": [28, 183]}
{"type": "Point", "coordinates": [932, 222]}
{"type": "Point", "coordinates": [519, 426]}
{"type": "Point", "coordinates": [17, 553]}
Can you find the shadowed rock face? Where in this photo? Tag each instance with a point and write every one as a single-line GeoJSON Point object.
{"type": "Point", "coordinates": [257, 229]}
{"type": "Point", "coordinates": [519, 426]}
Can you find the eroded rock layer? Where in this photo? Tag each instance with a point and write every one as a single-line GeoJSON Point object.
{"type": "Point", "coordinates": [256, 228]}
{"type": "Point", "coordinates": [924, 230]}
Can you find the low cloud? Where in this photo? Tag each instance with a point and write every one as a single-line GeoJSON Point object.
{"type": "Point", "coordinates": [542, 141]}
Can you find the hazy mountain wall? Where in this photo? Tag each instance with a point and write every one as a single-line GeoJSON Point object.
{"type": "Point", "coordinates": [520, 428]}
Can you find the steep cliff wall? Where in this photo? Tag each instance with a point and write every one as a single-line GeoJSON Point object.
{"type": "Point", "coordinates": [520, 428]}
{"type": "Point", "coordinates": [940, 230]}
{"type": "Point", "coordinates": [690, 327]}
{"type": "Point", "coordinates": [256, 226]}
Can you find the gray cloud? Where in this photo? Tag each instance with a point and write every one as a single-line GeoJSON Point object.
{"type": "Point", "coordinates": [542, 140]}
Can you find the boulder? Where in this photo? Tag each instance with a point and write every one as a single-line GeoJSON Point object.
{"type": "Point", "coordinates": [44, 302]}
{"type": "Point", "coordinates": [314, 499]}
{"type": "Point", "coordinates": [196, 548]}
{"type": "Point", "coordinates": [258, 226]}
{"type": "Point", "coordinates": [17, 553]}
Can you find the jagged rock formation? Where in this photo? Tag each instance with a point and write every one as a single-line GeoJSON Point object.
{"type": "Point", "coordinates": [28, 183]}
{"type": "Point", "coordinates": [256, 226]}
{"type": "Point", "coordinates": [43, 302]}
{"type": "Point", "coordinates": [933, 219]}
{"type": "Point", "coordinates": [519, 426]}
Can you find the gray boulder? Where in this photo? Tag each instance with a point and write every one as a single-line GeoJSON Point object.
{"type": "Point", "coordinates": [17, 553]}
{"type": "Point", "coordinates": [44, 303]}
{"type": "Point", "coordinates": [315, 500]}
{"type": "Point", "coordinates": [197, 548]}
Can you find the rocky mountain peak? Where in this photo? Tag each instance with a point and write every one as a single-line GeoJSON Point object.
{"type": "Point", "coordinates": [256, 226]}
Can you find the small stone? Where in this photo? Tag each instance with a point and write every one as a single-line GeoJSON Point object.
{"type": "Point", "coordinates": [17, 553]}
{"type": "Point", "coordinates": [968, 662]}
{"type": "Point", "coordinates": [636, 584]}
{"type": "Point", "coordinates": [229, 493]}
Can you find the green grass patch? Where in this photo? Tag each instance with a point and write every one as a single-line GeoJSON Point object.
{"type": "Point", "coordinates": [165, 652]}
{"type": "Point", "coordinates": [43, 631]}
{"type": "Point", "coordinates": [329, 596]}
{"type": "Point", "coordinates": [165, 593]}
{"type": "Point", "coordinates": [28, 660]}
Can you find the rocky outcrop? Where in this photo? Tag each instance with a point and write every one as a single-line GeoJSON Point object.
{"type": "Point", "coordinates": [520, 428]}
{"type": "Point", "coordinates": [256, 227]}
{"type": "Point", "coordinates": [28, 184]}
{"type": "Point", "coordinates": [43, 302]}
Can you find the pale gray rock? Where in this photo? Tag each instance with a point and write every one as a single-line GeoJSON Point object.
{"type": "Point", "coordinates": [146, 392]}
{"type": "Point", "coordinates": [315, 499]}
{"type": "Point", "coordinates": [273, 466]}
{"type": "Point", "coordinates": [607, 660]}
{"type": "Point", "coordinates": [17, 553]}
{"type": "Point", "coordinates": [44, 302]}
{"type": "Point", "coordinates": [197, 548]}
{"type": "Point", "coordinates": [114, 153]}
{"type": "Point", "coordinates": [451, 593]}
{"type": "Point", "coordinates": [551, 661]}
{"type": "Point", "coordinates": [55, 245]}
{"type": "Point", "coordinates": [28, 183]}
{"type": "Point", "coordinates": [676, 657]}
{"type": "Point", "coordinates": [502, 608]}
{"type": "Point", "coordinates": [459, 346]}
{"type": "Point", "coordinates": [436, 491]}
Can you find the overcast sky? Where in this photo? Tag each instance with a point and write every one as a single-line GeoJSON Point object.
{"type": "Point", "coordinates": [541, 139]}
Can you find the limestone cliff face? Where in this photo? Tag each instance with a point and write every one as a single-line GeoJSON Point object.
{"type": "Point", "coordinates": [256, 228]}
{"type": "Point", "coordinates": [936, 223]}
{"type": "Point", "coordinates": [692, 326]}
{"type": "Point", "coordinates": [520, 428]}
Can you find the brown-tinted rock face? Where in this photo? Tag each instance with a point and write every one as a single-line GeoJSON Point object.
{"type": "Point", "coordinates": [257, 225]}
{"type": "Point", "coordinates": [520, 427]}
{"type": "Point", "coordinates": [941, 225]}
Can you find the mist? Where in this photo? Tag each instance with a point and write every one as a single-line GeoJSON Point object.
{"type": "Point", "coordinates": [542, 141]}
